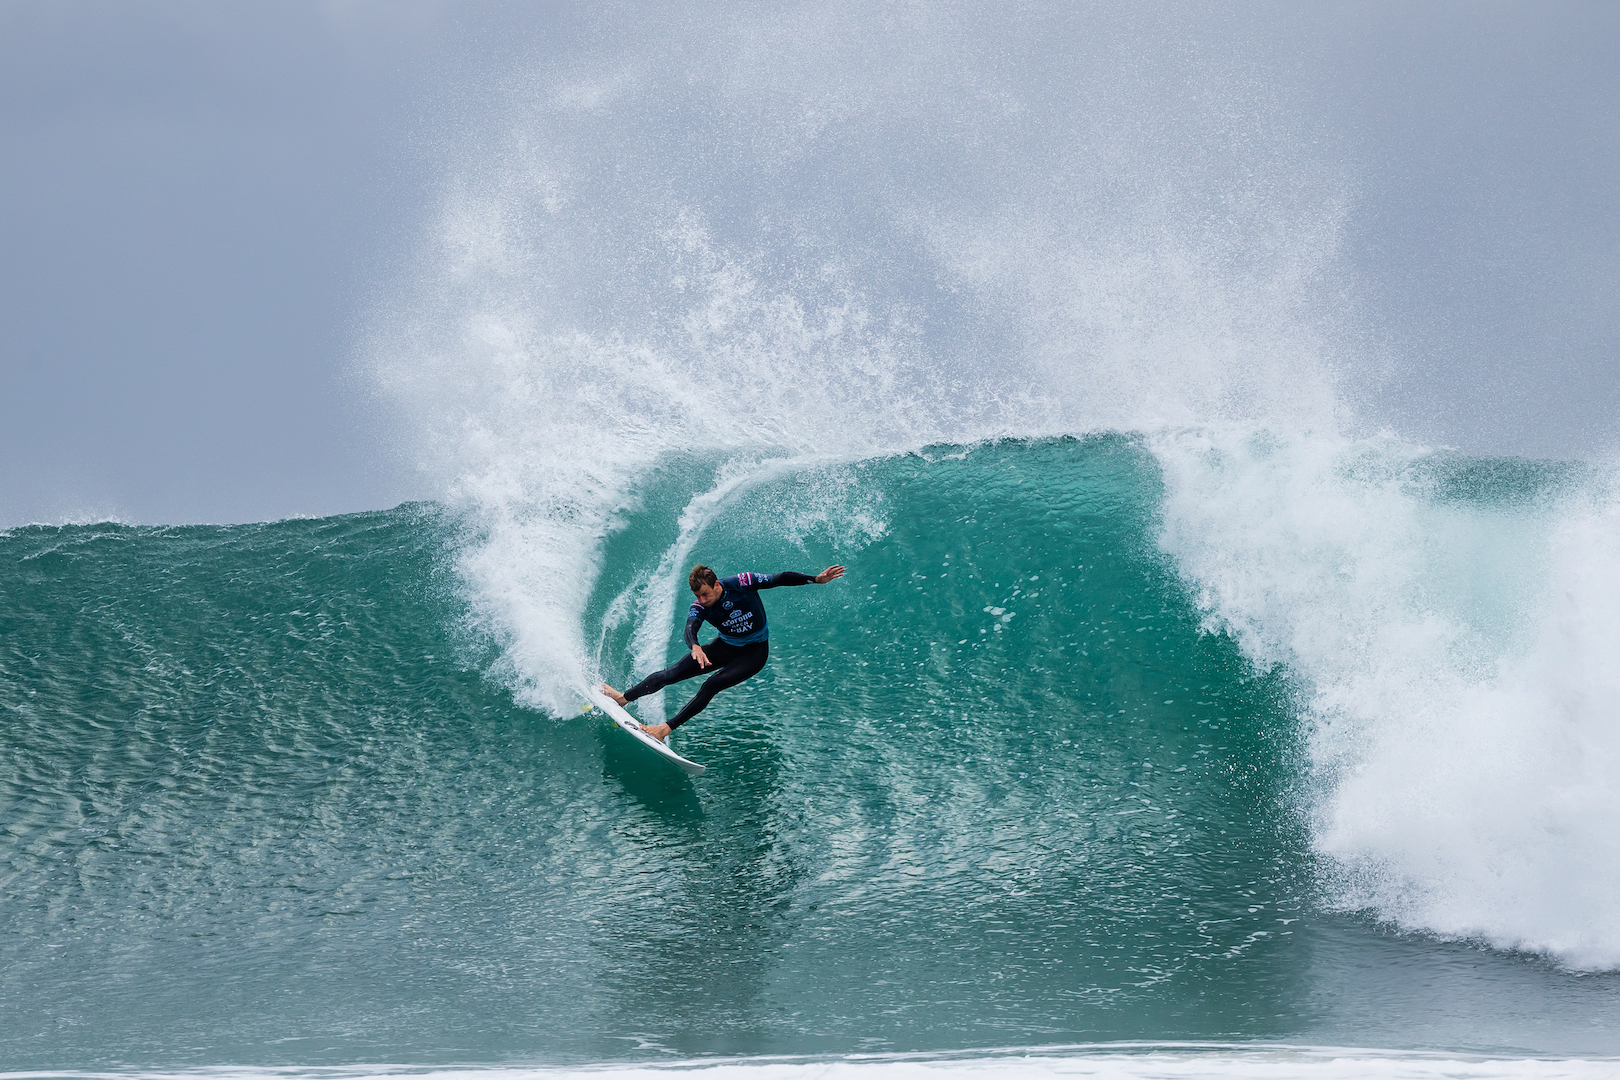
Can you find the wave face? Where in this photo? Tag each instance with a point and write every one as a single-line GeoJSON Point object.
{"type": "Point", "coordinates": [1098, 740]}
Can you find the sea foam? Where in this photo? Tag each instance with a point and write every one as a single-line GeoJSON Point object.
{"type": "Point", "coordinates": [1130, 1062]}
{"type": "Point", "coordinates": [1454, 659]}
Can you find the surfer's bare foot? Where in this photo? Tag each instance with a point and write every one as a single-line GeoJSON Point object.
{"type": "Point", "coordinates": [614, 694]}
{"type": "Point", "coordinates": [657, 731]}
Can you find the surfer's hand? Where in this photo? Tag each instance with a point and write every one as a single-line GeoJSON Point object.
{"type": "Point", "coordinates": [829, 574]}
{"type": "Point", "coordinates": [701, 657]}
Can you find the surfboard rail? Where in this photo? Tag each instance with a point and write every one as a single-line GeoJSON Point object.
{"type": "Point", "coordinates": [615, 712]}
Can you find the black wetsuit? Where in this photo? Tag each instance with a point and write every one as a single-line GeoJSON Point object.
{"type": "Point", "coordinates": [737, 654]}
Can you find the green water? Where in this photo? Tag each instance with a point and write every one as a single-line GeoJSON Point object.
{"type": "Point", "coordinates": [267, 799]}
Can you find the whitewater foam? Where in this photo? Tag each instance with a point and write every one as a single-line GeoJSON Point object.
{"type": "Point", "coordinates": [1145, 1061]}
{"type": "Point", "coordinates": [1454, 661]}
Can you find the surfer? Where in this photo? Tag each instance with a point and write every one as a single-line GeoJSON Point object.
{"type": "Point", "coordinates": [732, 605]}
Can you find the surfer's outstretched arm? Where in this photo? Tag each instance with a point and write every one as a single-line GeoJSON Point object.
{"type": "Point", "coordinates": [793, 577]}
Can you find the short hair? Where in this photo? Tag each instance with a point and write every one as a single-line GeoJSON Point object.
{"type": "Point", "coordinates": [700, 575]}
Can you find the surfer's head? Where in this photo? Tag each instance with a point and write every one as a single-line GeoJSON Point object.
{"type": "Point", "coordinates": [705, 586]}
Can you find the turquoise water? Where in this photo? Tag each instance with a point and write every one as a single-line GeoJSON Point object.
{"type": "Point", "coordinates": [277, 794]}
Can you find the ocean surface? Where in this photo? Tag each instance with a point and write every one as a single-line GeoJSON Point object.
{"type": "Point", "coordinates": [1171, 752]}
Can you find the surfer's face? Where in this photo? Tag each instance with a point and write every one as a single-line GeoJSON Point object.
{"type": "Point", "coordinates": [708, 594]}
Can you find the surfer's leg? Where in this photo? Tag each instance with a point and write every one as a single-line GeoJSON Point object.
{"type": "Point", "coordinates": [681, 669]}
{"type": "Point", "coordinates": [744, 664]}
{"type": "Point", "coordinates": [718, 652]}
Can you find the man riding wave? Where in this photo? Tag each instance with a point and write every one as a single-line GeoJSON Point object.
{"type": "Point", "coordinates": [733, 607]}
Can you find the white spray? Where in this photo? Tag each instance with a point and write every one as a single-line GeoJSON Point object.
{"type": "Point", "coordinates": [825, 233]}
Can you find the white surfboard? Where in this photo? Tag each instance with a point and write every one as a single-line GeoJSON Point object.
{"type": "Point", "coordinates": [616, 713]}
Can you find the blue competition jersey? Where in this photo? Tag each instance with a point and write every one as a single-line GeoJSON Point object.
{"type": "Point", "coordinates": [738, 614]}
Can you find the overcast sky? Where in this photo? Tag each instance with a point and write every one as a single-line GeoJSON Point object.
{"type": "Point", "coordinates": [195, 200]}
{"type": "Point", "coordinates": [200, 201]}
